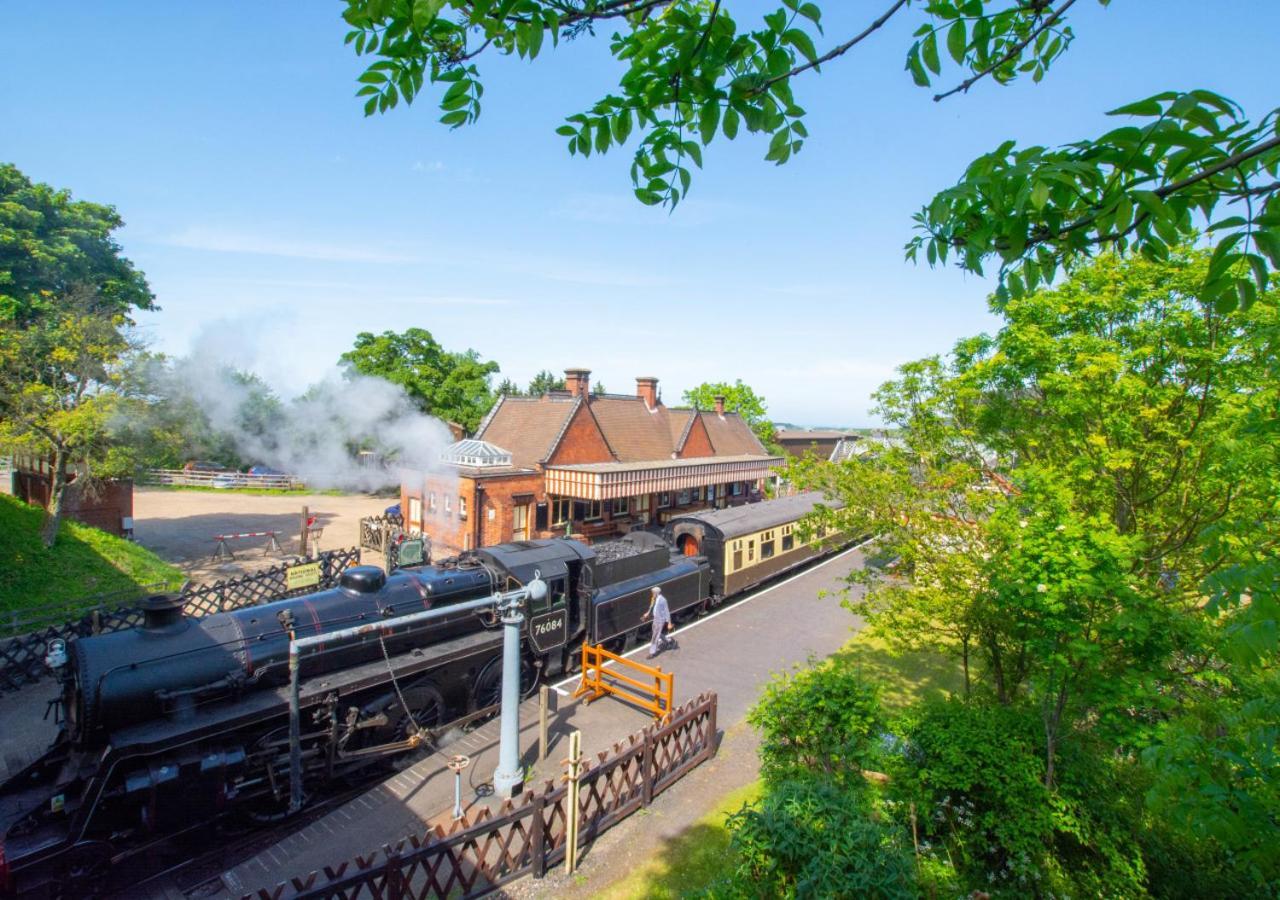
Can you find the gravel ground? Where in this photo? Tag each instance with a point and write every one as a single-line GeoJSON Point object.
{"type": "Point", "coordinates": [180, 525]}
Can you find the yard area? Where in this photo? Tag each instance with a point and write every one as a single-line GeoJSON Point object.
{"type": "Point", "coordinates": [181, 525]}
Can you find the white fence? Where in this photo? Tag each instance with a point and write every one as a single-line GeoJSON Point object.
{"type": "Point", "coordinates": [222, 479]}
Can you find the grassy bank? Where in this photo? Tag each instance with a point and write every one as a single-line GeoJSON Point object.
{"type": "Point", "coordinates": [83, 562]}
{"type": "Point", "coordinates": [699, 855]}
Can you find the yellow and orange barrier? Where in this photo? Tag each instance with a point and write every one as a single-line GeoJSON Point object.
{"type": "Point", "coordinates": [650, 689]}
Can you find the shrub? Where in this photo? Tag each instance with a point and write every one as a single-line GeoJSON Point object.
{"type": "Point", "coordinates": [822, 720]}
{"type": "Point", "coordinates": [807, 838]}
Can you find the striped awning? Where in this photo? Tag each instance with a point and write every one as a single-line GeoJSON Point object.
{"type": "Point", "coordinates": [608, 481]}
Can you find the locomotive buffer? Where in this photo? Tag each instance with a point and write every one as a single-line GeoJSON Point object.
{"type": "Point", "coordinates": [509, 606]}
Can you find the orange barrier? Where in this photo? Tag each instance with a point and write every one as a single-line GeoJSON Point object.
{"type": "Point", "coordinates": [657, 686]}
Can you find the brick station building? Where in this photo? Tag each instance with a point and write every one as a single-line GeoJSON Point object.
{"type": "Point", "coordinates": [593, 467]}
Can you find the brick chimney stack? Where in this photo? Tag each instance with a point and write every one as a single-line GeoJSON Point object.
{"type": "Point", "coordinates": [578, 382]}
{"type": "Point", "coordinates": [647, 390]}
{"type": "Point", "coordinates": [719, 405]}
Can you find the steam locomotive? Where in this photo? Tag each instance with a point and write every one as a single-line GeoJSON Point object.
{"type": "Point", "coordinates": [171, 724]}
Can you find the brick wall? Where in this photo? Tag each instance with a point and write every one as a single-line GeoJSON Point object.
{"type": "Point", "coordinates": [698, 443]}
{"type": "Point", "coordinates": [582, 441]}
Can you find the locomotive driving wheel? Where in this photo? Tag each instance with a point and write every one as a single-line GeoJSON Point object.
{"type": "Point", "coordinates": [426, 711]}
{"type": "Point", "coordinates": [487, 690]}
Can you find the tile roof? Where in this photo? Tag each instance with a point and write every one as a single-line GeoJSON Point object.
{"type": "Point", "coordinates": [817, 435]}
{"type": "Point", "coordinates": [731, 436]}
{"type": "Point", "coordinates": [527, 427]}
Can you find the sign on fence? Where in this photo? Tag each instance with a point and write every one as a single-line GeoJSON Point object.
{"type": "Point", "coordinates": [305, 575]}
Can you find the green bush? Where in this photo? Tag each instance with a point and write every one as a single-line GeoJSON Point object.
{"type": "Point", "coordinates": [825, 719]}
{"type": "Point", "coordinates": [809, 839]}
{"type": "Point", "coordinates": [975, 774]}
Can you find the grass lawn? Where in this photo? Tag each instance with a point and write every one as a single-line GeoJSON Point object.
{"type": "Point", "coordinates": [699, 855]}
{"type": "Point", "coordinates": [690, 861]}
{"type": "Point", "coordinates": [84, 561]}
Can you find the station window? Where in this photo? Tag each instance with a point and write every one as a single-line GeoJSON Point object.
{"type": "Point", "coordinates": [561, 508]}
{"type": "Point", "coordinates": [642, 503]}
{"type": "Point", "coordinates": [586, 510]}
{"type": "Point", "coordinates": [766, 549]}
{"type": "Point", "coordinates": [737, 489]}
{"type": "Point", "coordinates": [682, 498]}
{"type": "Point", "coordinates": [462, 507]}
{"type": "Point", "coordinates": [711, 492]}
{"type": "Point", "coordinates": [432, 504]}
{"type": "Point", "coordinates": [415, 510]}
{"type": "Point", "coordinates": [664, 500]}
{"type": "Point", "coordinates": [621, 506]}
{"type": "Point", "coordinates": [448, 504]}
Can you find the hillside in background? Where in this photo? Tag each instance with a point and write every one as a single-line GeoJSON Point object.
{"type": "Point", "coordinates": [83, 562]}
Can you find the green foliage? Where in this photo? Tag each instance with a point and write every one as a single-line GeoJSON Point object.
{"type": "Point", "coordinates": [739, 398]}
{"type": "Point", "coordinates": [691, 74]}
{"type": "Point", "coordinates": [449, 385]}
{"type": "Point", "coordinates": [975, 776]}
{"type": "Point", "coordinates": [50, 244]}
{"type": "Point", "coordinates": [806, 838]}
{"type": "Point", "coordinates": [84, 561]}
{"type": "Point", "coordinates": [544, 382]}
{"type": "Point", "coordinates": [825, 719]}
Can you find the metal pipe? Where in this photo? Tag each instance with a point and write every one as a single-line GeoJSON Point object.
{"type": "Point", "coordinates": [508, 775]}
{"type": "Point", "coordinates": [535, 590]}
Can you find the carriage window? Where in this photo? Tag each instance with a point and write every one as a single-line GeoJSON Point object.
{"type": "Point", "coordinates": [788, 541]}
{"type": "Point", "coordinates": [751, 551]}
{"type": "Point", "coordinates": [766, 549]}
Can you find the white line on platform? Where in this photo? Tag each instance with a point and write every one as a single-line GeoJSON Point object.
{"type": "Point", "coordinates": [738, 605]}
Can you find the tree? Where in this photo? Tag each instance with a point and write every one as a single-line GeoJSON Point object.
{"type": "Point", "coordinates": [507, 388]}
{"type": "Point", "coordinates": [739, 398]}
{"type": "Point", "coordinates": [543, 382]}
{"type": "Point", "coordinates": [451, 386]}
{"type": "Point", "coordinates": [56, 390]}
{"type": "Point", "coordinates": [690, 74]}
{"type": "Point", "coordinates": [52, 246]}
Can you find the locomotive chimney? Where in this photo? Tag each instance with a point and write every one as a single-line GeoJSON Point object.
{"type": "Point", "coordinates": [647, 390]}
{"type": "Point", "coordinates": [578, 382]}
{"type": "Point", "coordinates": [162, 611]}
{"type": "Point", "coordinates": [719, 398]}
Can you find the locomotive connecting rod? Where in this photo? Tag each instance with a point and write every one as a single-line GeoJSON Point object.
{"type": "Point", "coordinates": [509, 605]}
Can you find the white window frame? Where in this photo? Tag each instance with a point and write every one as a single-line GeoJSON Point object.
{"type": "Point", "coordinates": [462, 507]}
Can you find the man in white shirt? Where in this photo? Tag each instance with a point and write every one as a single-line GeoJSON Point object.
{"type": "Point", "coordinates": [661, 617]}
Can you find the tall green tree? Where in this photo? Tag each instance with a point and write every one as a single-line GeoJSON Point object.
{"type": "Point", "coordinates": [449, 385]}
{"type": "Point", "coordinates": [57, 391]}
{"type": "Point", "coordinates": [691, 74]}
{"type": "Point", "coordinates": [545, 381]}
{"type": "Point", "coordinates": [739, 398]}
{"type": "Point", "coordinates": [52, 246]}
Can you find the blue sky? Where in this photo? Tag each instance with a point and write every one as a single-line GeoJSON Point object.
{"type": "Point", "coordinates": [272, 218]}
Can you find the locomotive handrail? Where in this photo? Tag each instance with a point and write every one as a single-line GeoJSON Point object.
{"type": "Point", "coordinates": [658, 684]}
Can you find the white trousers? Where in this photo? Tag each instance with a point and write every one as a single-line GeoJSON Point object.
{"type": "Point", "coordinates": [655, 644]}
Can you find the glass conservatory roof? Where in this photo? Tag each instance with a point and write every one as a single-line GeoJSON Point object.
{"type": "Point", "coordinates": [475, 453]}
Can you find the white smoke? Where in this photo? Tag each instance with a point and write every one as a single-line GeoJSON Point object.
{"type": "Point", "coordinates": [316, 434]}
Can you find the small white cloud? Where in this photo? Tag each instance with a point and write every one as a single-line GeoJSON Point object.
{"type": "Point", "coordinates": [432, 165]}
{"type": "Point", "coordinates": [217, 240]}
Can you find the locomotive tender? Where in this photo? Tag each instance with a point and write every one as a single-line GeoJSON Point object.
{"type": "Point", "coordinates": [175, 722]}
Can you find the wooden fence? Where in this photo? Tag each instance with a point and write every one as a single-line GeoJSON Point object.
{"type": "Point", "coordinates": [185, 478]}
{"type": "Point", "coordinates": [377, 532]}
{"type": "Point", "coordinates": [475, 855]}
{"type": "Point", "coordinates": [22, 655]}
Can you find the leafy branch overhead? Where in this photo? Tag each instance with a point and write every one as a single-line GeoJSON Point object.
{"type": "Point", "coordinates": [693, 74]}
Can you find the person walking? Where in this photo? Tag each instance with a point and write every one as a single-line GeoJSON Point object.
{"type": "Point", "coordinates": [661, 614]}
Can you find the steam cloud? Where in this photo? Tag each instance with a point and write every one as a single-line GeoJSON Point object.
{"type": "Point", "coordinates": [317, 434]}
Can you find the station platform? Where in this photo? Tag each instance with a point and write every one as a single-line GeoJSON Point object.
{"type": "Point", "coordinates": [733, 652]}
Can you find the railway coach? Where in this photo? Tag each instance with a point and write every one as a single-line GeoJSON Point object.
{"type": "Point", "coordinates": [747, 545]}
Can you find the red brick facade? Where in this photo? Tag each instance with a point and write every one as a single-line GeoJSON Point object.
{"type": "Point", "coordinates": [501, 494]}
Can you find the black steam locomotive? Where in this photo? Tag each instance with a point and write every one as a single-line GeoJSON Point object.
{"type": "Point", "coordinates": [169, 725]}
